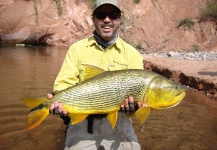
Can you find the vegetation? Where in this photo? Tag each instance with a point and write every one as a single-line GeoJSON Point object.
{"type": "Point", "coordinates": [136, 1]}
{"type": "Point", "coordinates": [139, 45]}
{"type": "Point", "coordinates": [92, 3]}
{"type": "Point", "coordinates": [186, 23]}
{"type": "Point", "coordinates": [123, 18]}
{"type": "Point", "coordinates": [59, 7]}
{"type": "Point", "coordinates": [210, 13]}
{"type": "Point", "coordinates": [195, 48]}
{"type": "Point", "coordinates": [154, 1]}
{"type": "Point", "coordinates": [36, 11]}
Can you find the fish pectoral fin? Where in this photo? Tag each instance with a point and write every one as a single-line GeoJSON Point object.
{"type": "Point", "coordinates": [142, 114]}
{"type": "Point", "coordinates": [112, 118]}
{"type": "Point", "coordinates": [76, 118]}
{"type": "Point", "coordinates": [36, 116]}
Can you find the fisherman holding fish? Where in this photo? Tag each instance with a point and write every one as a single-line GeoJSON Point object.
{"type": "Point", "coordinates": [101, 83]}
{"type": "Point", "coordinates": [106, 50]}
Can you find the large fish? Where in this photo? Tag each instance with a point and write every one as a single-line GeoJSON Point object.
{"type": "Point", "coordinates": [102, 92]}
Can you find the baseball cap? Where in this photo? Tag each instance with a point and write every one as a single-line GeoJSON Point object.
{"type": "Point", "coordinates": [99, 3]}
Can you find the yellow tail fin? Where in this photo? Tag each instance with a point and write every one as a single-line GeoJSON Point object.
{"type": "Point", "coordinates": [36, 116]}
{"type": "Point", "coordinates": [32, 102]}
{"type": "Point", "coordinates": [39, 110]}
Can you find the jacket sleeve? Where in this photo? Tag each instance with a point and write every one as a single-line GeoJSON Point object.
{"type": "Point", "coordinates": [69, 72]}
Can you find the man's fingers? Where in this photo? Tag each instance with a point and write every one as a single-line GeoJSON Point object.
{"type": "Point", "coordinates": [56, 104]}
{"type": "Point", "coordinates": [60, 107]}
{"type": "Point", "coordinates": [139, 104]}
{"type": "Point", "coordinates": [51, 107]}
{"type": "Point", "coordinates": [126, 106]}
{"type": "Point", "coordinates": [126, 103]}
{"type": "Point", "coordinates": [132, 106]}
{"type": "Point", "coordinates": [64, 112]}
{"type": "Point", "coordinates": [131, 100]}
{"type": "Point", "coordinates": [49, 96]}
{"type": "Point", "coordinates": [122, 108]}
{"type": "Point", "coordinates": [57, 109]}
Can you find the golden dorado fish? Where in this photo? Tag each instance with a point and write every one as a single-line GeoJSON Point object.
{"type": "Point", "coordinates": [102, 92]}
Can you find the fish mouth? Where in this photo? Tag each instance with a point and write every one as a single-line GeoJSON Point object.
{"type": "Point", "coordinates": [180, 95]}
{"type": "Point", "coordinates": [178, 98]}
{"type": "Point", "coordinates": [164, 104]}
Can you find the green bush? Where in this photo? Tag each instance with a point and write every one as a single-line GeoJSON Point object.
{"type": "Point", "coordinates": [210, 12]}
{"type": "Point", "coordinates": [186, 23]}
{"type": "Point", "coordinates": [139, 46]}
{"type": "Point", "coordinates": [195, 48]}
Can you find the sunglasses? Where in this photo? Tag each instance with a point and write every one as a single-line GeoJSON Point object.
{"type": "Point", "coordinates": [112, 15]}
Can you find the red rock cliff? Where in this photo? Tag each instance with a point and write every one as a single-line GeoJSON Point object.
{"type": "Point", "coordinates": [150, 24]}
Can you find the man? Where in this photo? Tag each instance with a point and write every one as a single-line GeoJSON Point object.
{"type": "Point", "coordinates": [106, 50]}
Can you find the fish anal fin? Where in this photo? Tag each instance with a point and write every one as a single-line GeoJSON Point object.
{"type": "Point", "coordinates": [112, 118]}
{"type": "Point", "coordinates": [32, 102]}
{"type": "Point", "coordinates": [76, 118]}
{"type": "Point", "coordinates": [36, 117]}
{"type": "Point", "coordinates": [91, 71]}
{"type": "Point", "coordinates": [142, 113]}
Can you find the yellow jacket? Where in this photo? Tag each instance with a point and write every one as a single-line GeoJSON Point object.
{"type": "Point", "coordinates": [118, 56]}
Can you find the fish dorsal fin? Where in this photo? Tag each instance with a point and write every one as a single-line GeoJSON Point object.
{"type": "Point", "coordinates": [32, 102]}
{"type": "Point", "coordinates": [91, 71]}
{"type": "Point", "coordinates": [142, 113]}
{"type": "Point", "coordinates": [112, 118]}
{"type": "Point", "coordinates": [76, 118]}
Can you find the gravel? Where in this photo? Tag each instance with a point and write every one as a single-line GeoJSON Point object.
{"type": "Point", "coordinates": [203, 56]}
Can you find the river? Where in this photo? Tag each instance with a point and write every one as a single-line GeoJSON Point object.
{"type": "Point", "coordinates": [31, 71]}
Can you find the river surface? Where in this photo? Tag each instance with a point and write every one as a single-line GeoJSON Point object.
{"type": "Point", "coordinates": [31, 71]}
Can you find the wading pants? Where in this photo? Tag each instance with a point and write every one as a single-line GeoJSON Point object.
{"type": "Point", "coordinates": [121, 137]}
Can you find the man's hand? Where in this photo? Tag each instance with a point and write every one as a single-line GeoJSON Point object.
{"type": "Point", "coordinates": [130, 106]}
{"type": "Point", "coordinates": [56, 107]}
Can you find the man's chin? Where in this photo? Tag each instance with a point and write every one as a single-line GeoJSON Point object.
{"type": "Point", "coordinates": [107, 37]}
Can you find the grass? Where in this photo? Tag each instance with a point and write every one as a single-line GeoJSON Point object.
{"type": "Point", "coordinates": [210, 13]}
{"type": "Point", "coordinates": [92, 3]}
{"type": "Point", "coordinates": [195, 48]}
{"type": "Point", "coordinates": [139, 45]}
{"type": "Point", "coordinates": [59, 7]}
{"type": "Point", "coordinates": [36, 11]}
{"type": "Point", "coordinates": [186, 23]}
{"type": "Point", "coordinates": [136, 1]}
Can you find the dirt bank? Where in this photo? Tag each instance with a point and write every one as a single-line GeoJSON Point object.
{"type": "Point", "coordinates": [200, 75]}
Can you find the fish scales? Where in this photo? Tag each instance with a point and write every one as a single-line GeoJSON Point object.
{"type": "Point", "coordinates": [106, 94]}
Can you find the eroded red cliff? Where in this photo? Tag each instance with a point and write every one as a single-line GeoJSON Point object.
{"type": "Point", "coordinates": [150, 24]}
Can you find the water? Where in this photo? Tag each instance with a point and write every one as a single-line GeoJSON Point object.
{"type": "Point", "coordinates": [31, 71]}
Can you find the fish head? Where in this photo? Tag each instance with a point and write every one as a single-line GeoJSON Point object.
{"type": "Point", "coordinates": [164, 93]}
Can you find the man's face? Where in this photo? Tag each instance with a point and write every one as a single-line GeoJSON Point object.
{"type": "Point", "coordinates": [107, 22]}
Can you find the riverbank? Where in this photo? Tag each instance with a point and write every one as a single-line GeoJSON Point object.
{"type": "Point", "coordinates": [198, 74]}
